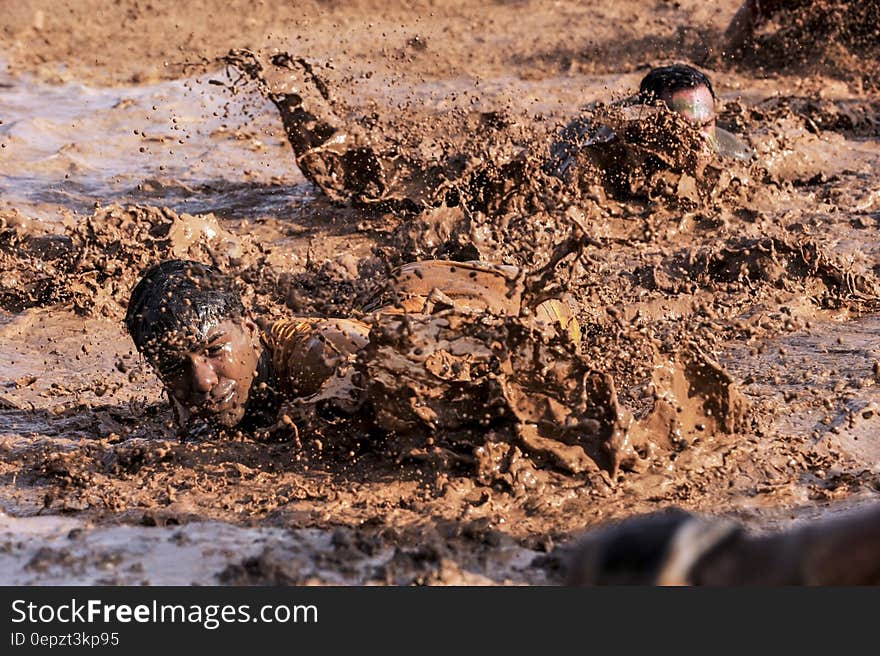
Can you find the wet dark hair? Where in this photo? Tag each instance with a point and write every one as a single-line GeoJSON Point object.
{"type": "Point", "coordinates": [179, 299]}
{"type": "Point", "coordinates": [669, 79]}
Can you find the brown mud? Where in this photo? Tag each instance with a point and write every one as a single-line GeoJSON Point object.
{"type": "Point", "coordinates": [726, 360]}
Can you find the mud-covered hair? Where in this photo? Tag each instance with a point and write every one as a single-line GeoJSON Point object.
{"type": "Point", "coordinates": [669, 79]}
{"type": "Point", "coordinates": [179, 298]}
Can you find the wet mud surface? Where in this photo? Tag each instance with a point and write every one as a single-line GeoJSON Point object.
{"type": "Point", "coordinates": [725, 358]}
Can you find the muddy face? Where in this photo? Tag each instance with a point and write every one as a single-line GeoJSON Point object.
{"type": "Point", "coordinates": [211, 378]}
{"type": "Point", "coordinates": [697, 105]}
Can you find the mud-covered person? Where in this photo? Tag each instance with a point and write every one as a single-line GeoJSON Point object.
{"type": "Point", "coordinates": [681, 88]}
{"type": "Point", "coordinates": [189, 322]}
{"type": "Point", "coordinates": [220, 369]}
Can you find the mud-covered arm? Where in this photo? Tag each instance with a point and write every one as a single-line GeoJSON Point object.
{"type": "Point", "coordinates": [312, 359]}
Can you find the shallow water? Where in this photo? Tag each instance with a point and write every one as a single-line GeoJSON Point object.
{"type": "Point", "coordinates": [800, 369]}
{"type": "Point", "coordinates": [186, 144]}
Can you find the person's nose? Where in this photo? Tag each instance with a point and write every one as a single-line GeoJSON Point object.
{"type": "Point", "coordinates": [203, 377]}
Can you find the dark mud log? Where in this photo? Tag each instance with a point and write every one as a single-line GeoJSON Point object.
{"type": "Point", "coordinates": [679, 548]}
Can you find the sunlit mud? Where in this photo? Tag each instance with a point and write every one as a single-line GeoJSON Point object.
{"type": "Point", "coordinates": [722, 355]}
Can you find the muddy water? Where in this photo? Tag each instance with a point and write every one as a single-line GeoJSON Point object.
{"type": "Point", "coordinates": [798, 370]}
{"type": "Point", "coordinates": [94, 477]}
{"type": "Point", "coordinates": [185, 144]}
{"type": "Point", "coordinates": [52, 551]}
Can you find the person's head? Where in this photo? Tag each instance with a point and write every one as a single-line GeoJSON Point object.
{"type": "Point", "coordinates": [188, 321]}
{"type": "Point", "coordinates": [685, 90]}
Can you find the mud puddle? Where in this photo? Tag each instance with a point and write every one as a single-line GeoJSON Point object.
{"type": "Point", "coordinates": [828, 381]}
{"type": "Point", "coordinates": [65, 551]}
{"type": "Point", "coordinates": [184, 144]}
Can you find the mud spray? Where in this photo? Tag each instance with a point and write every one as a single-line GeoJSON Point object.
{"type": "Point", "coordinates": [726, 361]}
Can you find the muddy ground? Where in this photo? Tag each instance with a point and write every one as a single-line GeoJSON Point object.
{"type": "Point", "coordinates": [127, 138]}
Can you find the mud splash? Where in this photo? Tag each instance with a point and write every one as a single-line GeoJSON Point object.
{"type": "Point", "coordinates": [700, 288]}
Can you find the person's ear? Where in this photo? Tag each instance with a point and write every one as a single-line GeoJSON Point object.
{"type": "Point", "coordinates": [252, 328]}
